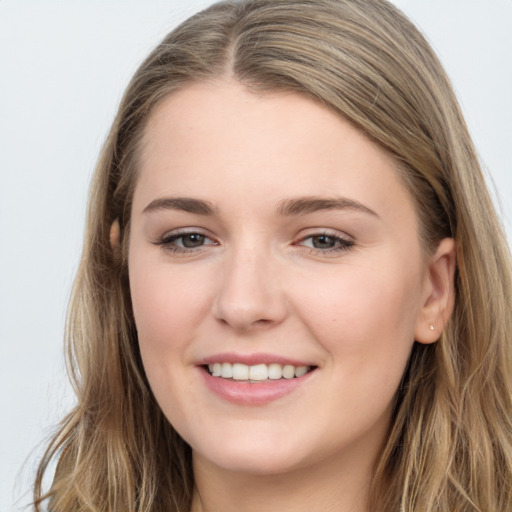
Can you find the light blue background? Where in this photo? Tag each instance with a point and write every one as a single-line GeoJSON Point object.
{"type": "Point", "coordinates": [63, 67]}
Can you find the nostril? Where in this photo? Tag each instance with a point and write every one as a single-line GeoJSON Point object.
{"type": "Point", "coordinates": [241, 323]}
{"type": "Point", "coordinates": [262, 321]}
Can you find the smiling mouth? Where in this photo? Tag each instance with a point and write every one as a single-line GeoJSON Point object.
{"type": "Point", "coordinates": [258, 372]}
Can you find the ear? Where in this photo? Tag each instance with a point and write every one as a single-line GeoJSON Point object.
{"type": "Point", "coordinates": [439, 293]}
{"type": "Point", "coordinates": [115, 237]}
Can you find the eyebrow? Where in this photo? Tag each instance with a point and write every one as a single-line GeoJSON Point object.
{"type": "Point", "coordinates": [305, 205]}
{"type": "Point", "coordinates": [186, 204]}
{"type": "Point", "coordinates": [289, 207]}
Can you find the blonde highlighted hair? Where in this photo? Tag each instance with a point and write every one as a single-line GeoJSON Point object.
{"type": "Point", "coordinates": [450, 441]}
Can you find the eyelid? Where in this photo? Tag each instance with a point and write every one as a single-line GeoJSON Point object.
{"type": "Point", "coordinates": [166, 240]}
{"type": "Point", "coordinates": [345, 242]}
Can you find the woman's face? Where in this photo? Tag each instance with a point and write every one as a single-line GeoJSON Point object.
{"type": "Point", "coordinates": [270, 238]}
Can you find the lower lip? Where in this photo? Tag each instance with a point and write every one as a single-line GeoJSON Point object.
{"type": "Point", "coordinates": [252, 393]}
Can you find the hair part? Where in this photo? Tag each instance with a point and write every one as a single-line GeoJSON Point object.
{"type": "Point", "coordinates": [449, 447]}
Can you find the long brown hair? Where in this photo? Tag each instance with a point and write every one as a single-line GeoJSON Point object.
{"type": "Point", "coordinates": [449, 446]}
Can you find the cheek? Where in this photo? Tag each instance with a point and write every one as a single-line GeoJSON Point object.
{"type": "Point", "coordinates": [365, 322]}
{"type": "Point", "coordinates": [168, 308]}
{"type": "Point", "coordinates": [168, 311]}
{"type": "Point", "coordinates": [364, 312]}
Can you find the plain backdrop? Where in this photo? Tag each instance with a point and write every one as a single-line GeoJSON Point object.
{"type": "Point", "coordinates": [63, 67]}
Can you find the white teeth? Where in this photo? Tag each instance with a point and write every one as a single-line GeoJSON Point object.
{"type": "Point", "coordinates": [227, 371]}
{"type": "Point", "coordinates": [300, 371]}
{"type": "Point", "coordinates": [217, 370]}
{"type": "Point", "coordinates": [258, 372]}
{"type": "Point", "coordinates": [275, 371]}
{"type": "Point", "coordinates": [240, 371]}
{"type": "Point", "coordinates": [288, 371]}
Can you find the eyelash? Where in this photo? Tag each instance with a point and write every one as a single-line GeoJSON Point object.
{"type": "Point", "coordinates": [168, 241]}
{"type": "Point", "coordinates": [341, 244]}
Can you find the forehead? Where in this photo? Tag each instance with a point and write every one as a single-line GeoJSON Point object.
{"type": "Point", "coordinates": [221, 140]}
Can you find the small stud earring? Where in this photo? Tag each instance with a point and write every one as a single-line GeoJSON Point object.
{"type": "Point", "coordinates": [431, 327]}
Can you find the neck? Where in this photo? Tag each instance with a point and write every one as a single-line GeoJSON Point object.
{"type": "Point", "coordinates": [333, 485]}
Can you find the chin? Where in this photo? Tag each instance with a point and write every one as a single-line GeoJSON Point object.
{"type": "Point", "coordinates": [255, 457]}
{"type": "Point", "coordinates": [256, 464]}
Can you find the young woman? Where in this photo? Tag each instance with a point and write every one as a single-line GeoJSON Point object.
{"type": "Point", "coordinates": [294, 292]}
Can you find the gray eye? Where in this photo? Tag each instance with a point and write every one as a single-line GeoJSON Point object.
{"type": "Point", "coordinates": [192, 240]}
{"type": "Point", "coordinates": [323, 242]}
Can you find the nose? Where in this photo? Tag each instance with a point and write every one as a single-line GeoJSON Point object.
{"type": "Point", "coordinates": [249, 294]}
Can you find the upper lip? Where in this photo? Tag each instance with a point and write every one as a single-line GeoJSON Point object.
{"type": "Point", "coordinates": [252, 359]}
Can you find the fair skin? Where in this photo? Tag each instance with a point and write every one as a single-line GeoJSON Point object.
{"type": "Point", "coordinates": [266, 229]}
